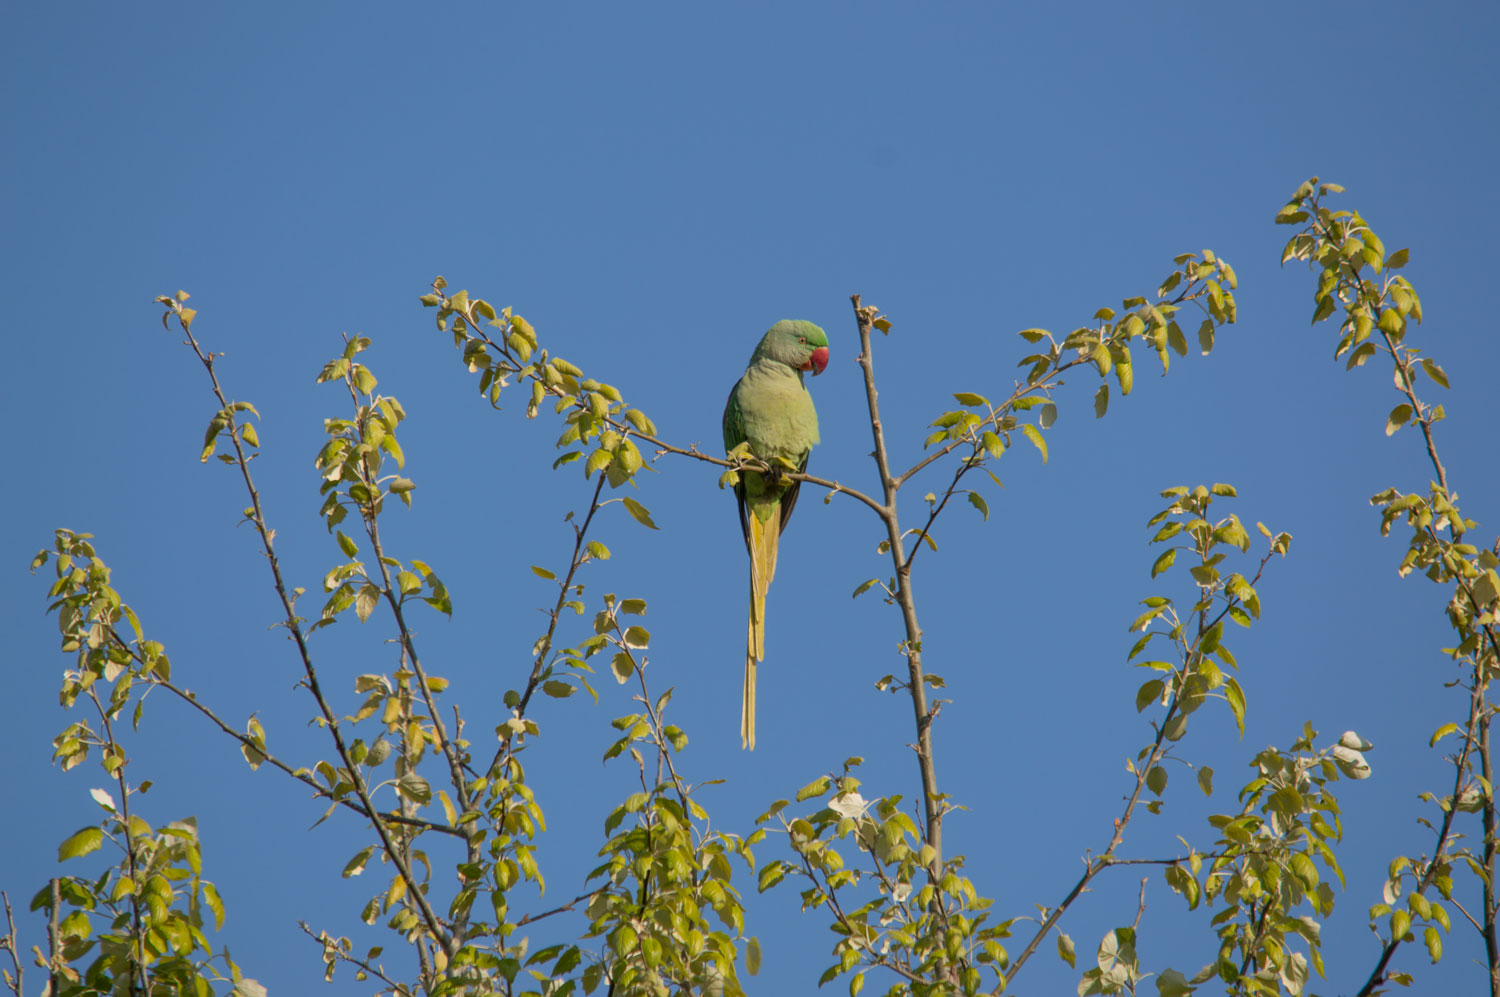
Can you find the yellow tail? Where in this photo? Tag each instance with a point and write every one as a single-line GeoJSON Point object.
{"type": "Point", "coordinates": [764, 540]}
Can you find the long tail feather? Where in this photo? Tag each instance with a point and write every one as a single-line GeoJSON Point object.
{"type": "Point", "coordinates": [763, 537]}
{"type": "Point", "coordinates": [747, 714]}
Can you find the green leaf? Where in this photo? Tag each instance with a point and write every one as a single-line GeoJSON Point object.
{"type": "Point", "coordinates": [1291, 214]}
{"type": "Point", "coordinates": [356, 865]}
{"type": "Point", "coordinates": [82, 842]}
{"type": "Point", "coordinates": [211, 897]}
{"type": "Point", "coordinates": [1206, 336]}
{"type": "Point", "coordinates": [1035, 436]}
{"type": "Point", "coordinates": [639, 513]}
{"type": "Point", "coordinates": [349, 547]}
{"type": "Point", "coordinates": [637, 637]}
{"type": "Point", "coordinates": [977, 501]}
{"type": "Point", "coordinates": [1433, 940]}
{"type": "Point", "coordinates": [1171, 983]}
{"type": "Point", "coordinates": [1396, 261]}
{"type": "Point", "coordinates": [815, 788]}
{"type": "Point", "coordinates": [1399, 417]}
{"type": "Point", "coordinates": [365, 601]}
{"type": "Point", "coordinates": [1236, 697]}
{"type": "Point", "coordinates": [970, 399]}
{"type": "Point", "coordinates": [1047, 416]}
{"type": "Point", "coordinates": [414, 788]}
{"type": "Point", "coordinates": [1206, 780]}
{"type": "Point", "coordinates": [752, 956]}
{"type": "Point", "coordinates": [1156, 779]}
{"type": "Point", "coordinates": [1435, 372]}
{"type": "Point", "coordinates": [1176, 339]}
{"type": "Point", "coordinates": [1148, 693]}
{"type": "Point", "coordinates": [1065, 950]}
{"type": "Point", "coordinates": [1101, 401]}
{"type": "Point", "coordinates": [865, 586]}
{"type": "Point", "coordinates": [1164, 561]}
{"type": "Point", "coordinates": [1102, 359]}
{"type": "Point", "coordinates": [598, 459]}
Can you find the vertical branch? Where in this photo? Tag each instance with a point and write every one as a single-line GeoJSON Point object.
{"type": "Point", "coordinates": [1491, 949]}
{"type": "Point", "coordinates": [137, 964]}
{"type": "Point", "coordinates": [932, 806]}
{"type": "Point", "coordinates": [13, 943]}
{"type": "Point", "coordinates": [54, 943]}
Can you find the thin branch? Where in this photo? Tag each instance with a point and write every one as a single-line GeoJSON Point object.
{"type": "Point", "coordinates": [998, 412]}
{"type": "Point", "coordinates": [1377, 975]}
{"type": "Point", "coordinates": [529, 918]}
{"type": "Point", "coordinates": [247, 741]}
{"type": "Point", "coordinates": [544, 646]}
{"type": "Point", "coordinates": [1487, 816]}
{"type": "Point", "coordinates": [1467, 916]}
{"type": "Point", "coordinates": [352, 960]}
{"type": "Point", "coordinates": [1106, 858]}
{"type": "Point", "coordinates": [137, 965]}
{"type": "Point", "coordinates": [935, 510]}
{"type": "Point", "coordinates": [932, 805]}
{"type": "Point", "coordinates": [1351, 288]}
{"type": "Point", "coordinates": [294, 627]}
{"type": "Point", "coordinates": [1140, 909]}
{"type": "Point", "coordinates": [13, 943]}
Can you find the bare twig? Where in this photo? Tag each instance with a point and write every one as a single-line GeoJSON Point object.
{"type": "Point", "coordinates": [12, 941]}
{"type": "Point", "coordinates": [328, 945]}
{"type": "Point", "coordinates": [1140, 909]}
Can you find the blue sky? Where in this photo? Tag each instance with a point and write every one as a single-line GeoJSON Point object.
{"type": "Point", "coordinates": [652, 187]}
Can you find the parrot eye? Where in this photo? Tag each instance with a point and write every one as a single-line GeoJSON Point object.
{"type": "Point", "coordinates": [802, 340]}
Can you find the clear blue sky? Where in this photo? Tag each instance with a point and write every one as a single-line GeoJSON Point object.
{"type": "Point", "coordinates": [652, 186]}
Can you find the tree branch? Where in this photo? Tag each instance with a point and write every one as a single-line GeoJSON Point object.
{"type": "Point", "coordinates": [293, 625]}
{"type": "Point", "coordinates": [932, 806]}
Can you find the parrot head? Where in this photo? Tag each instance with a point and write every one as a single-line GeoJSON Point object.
{"type": "Point", "coordinates": [797, 344]}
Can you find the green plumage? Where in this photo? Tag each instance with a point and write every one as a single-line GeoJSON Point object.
{"type": "Point", "coordinates": [770, 409]}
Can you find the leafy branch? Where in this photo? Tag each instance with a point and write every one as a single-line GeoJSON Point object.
{"type": "Point", "coordinates": [1379, 306]}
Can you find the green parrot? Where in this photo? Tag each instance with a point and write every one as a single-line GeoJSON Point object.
{"type": "Point", "coordinates": [770, 409]}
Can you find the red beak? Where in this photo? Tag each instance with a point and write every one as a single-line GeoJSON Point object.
{"type": "Point", "coordinates": [818, 361]}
